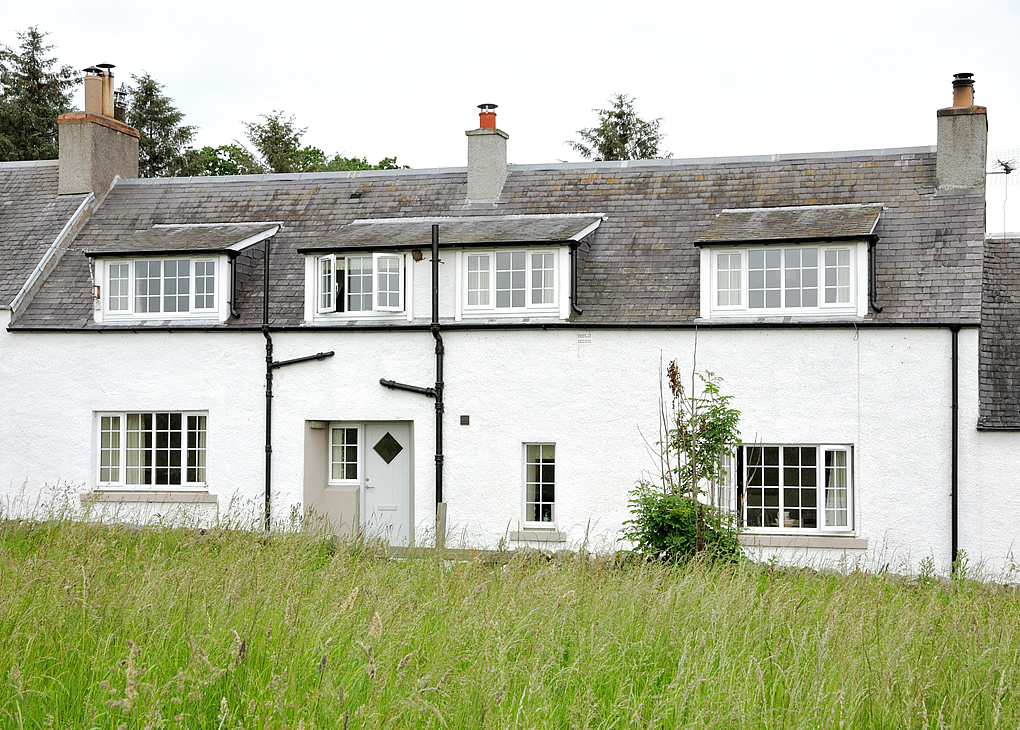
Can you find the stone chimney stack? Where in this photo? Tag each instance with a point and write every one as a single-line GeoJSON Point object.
{"type": "Point", "coordinates": [94, 146]}
{"type": "Point", "coordinates": [962, 141]}
{"type": "Point", "coordinates": [486, 158]}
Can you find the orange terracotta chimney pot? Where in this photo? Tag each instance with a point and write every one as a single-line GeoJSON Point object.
{"type": "Point", "coordinates": [487, 116]}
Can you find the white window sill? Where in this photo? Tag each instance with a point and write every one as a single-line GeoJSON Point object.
{"type": "Point", "coordinates": [839, 542]}
{"type": "Point", "coordinates": [538, 535]}
{"type": "Point", "coordinates": [146, 496]}
{"type": "Point", "coordinates": [780, 318]}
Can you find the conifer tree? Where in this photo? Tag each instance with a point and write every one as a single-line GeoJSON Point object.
{"type": "Point", "coordinates": [32, 95]}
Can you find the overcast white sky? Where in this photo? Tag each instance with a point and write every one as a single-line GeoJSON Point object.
{"type": "Point", "coordinates": [403, 78]}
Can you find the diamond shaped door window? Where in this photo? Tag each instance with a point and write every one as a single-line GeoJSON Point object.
{"type": "Point", "coordinates": [388, 447]}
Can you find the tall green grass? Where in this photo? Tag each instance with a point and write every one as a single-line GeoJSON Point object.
{"type": "Point", "coordinates": [110, 627]}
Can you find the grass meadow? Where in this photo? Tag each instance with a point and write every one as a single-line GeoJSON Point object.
{"type": "Point", "coordinates": [111, 627]}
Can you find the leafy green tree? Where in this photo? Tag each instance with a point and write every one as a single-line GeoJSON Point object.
{"type": "Point", "coordinates": [228, 159]}
{"type": "Point", "coordinates": [620, 134]}
{"type": "Point", "coordinates": [697, 431]}
{"type": "Point", "coordinates": [161, 148]}
{"type": "Point", "coordinates": [32, 95]}
{"type": "Point", "coordinates": [277, 139]}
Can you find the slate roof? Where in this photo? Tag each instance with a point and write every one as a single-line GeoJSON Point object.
{"type": "Point", "coordinates": [481, 230]}
{"type": "Point", "coordinates": [31, 216]}
{"type": "Point", "coordinates": [800, 223]}
{"type": "Point", "coordinates": [188, 238]}
{"type": "Point", "coordinates": [1000, 336]}
{"type": "Point", "coordinates": [640, 267]}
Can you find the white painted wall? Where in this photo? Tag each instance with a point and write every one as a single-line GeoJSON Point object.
{"type": "Point", "coordinates": [885, 391]}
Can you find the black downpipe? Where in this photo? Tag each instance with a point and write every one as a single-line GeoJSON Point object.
{"type": "Point", "coordinates": [233, 287]}
{"type": "Point", "coordinates": [956, 442]}
{"type": "Point", "coordinates": [872, 283]}
{"type": "Point", "coordinates": [269, 382]}
{"type": "Point", "coordinates": [573, 281]}
{"type": "Point", "coordinates": [272, 365]}
{"type": "Point", "coordinates": [440, 351]}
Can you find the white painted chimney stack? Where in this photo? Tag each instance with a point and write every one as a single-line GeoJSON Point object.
{"type": "Point", "coordinates": [486, 158]}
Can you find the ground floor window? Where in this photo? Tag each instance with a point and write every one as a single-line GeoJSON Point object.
{"type": "Point", "coordinates": [540, 483]}
{"type": "Point", "coordinates": [158, 448]}
{"type": "Point", "coordinates": [796, 487]}
{"type": "Point", "coordinates": [343, 452]}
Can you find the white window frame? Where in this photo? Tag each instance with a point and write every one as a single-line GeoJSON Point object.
{"type": "Point", "coordinates": [540, 524]}
{"type": "Point", "coordinates": [120, 480]}
{"type": "Point", "coordinates": [785, 513]}
{"type": "Point", "coordinates": [319, 307]}
{"type": "Point", "coordinates": [556, 276]}
{"type": "Point", "coordinates": [105, 313]}
{"type": "Point", "coordinates": [359, 464]}
{"type": "Point", "coordinates": [858, 284]}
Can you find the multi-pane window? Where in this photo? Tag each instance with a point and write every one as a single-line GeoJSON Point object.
{"type": "Point", "coordinates": [728, 284]}
{"type": "Point", "coordinates": [837, 276]}
{"type": "Point", "coordinates": [119, 291]}
{"type": "Point", "coordinates": [539, 482]}
{"type": "Point", "coordinates": [510, 280]}
{"type": "Point", "coordinates": [478, 280]}
{"type": "Point", "coordinates": [343, 453]}
{"type": "Point", "coordinates": [800, 279]}
{"type": "Point", "coordinates": [177, 285]}
{"type": "Point", "coordinates": [172, 287]}
{"type": "Point", "coordinates": [797, 487]}
{"type": "Point", "coordinates": [372, 283]}
{"type": "Point", "coordinates": [205, 285]}
{"type": "Point", "coordinates": [152, 449]}
{"type": "Point", "coordinates": [542, 280]}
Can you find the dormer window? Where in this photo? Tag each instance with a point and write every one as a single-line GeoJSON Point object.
{"type": "Point", "coordinates": [510, 280]}
{"type": "Point", "coordinates": [171, 271]}
{"type": "Point", "coordinates": [784, 280]}
{"type": "Point", "coordinates": [359, 284]}
{"type": "Point", "coordinates": [808, 260]}
{"type": "Point", "coordinates": [160, 288]}
{"type": "Point", "coordinates": [503, 265]}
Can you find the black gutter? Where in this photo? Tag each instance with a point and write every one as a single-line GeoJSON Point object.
{"type": "Point", "coordinates": [955, 329]}
{"type": "Point", "coordinates": [468, 326]}
{"type": "Point", "coordinates": [870, 237]}
{"type": "Point", "coordinates": [530, 243]}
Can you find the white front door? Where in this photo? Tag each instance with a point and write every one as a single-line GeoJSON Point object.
{"type": "Point", "coordinates": [386, 512]}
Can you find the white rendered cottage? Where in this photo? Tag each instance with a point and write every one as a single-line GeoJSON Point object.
{"type": "Point", "coordinates": [838, 295]}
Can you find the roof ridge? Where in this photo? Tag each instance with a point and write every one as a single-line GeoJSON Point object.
{"type": "Point", "coordinates": [30, 163]}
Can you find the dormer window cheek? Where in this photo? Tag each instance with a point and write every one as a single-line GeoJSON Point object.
{"type": "Point", "coordinates": [160, 288]}
{"type": "Point", "coordinates": [808, 279]}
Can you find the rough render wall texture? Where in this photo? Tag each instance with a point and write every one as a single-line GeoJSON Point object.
{"type": "Point", "coordinates": [92, 154]}
{"type": "Point", "coordinates": [885, 392]}
{"type": "Point", "coordinates": [487, 169]}
{"type": "Point", "coordinates": [962, 144]}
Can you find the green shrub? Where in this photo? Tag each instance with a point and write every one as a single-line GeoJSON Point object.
{"type": "Point", "coordinates": [665, 525]}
